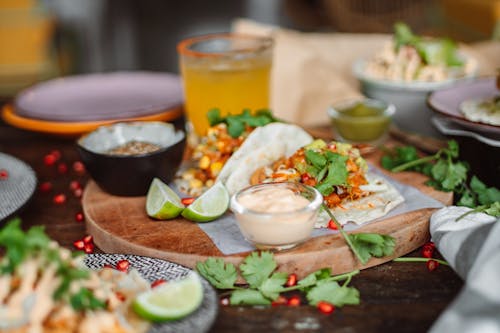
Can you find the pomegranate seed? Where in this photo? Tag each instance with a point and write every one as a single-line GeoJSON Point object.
{"type": "Point", "coordinates": [78, 193]}
{"type": "Point", "coordinates": [45, 186]}
{"type": "Point", "coordinates": [56, 153]}
{"type": "Point", "coordinates": [59, 199]}
{"type": "Point", "coordinates": [74, 185]}
{"type": "Point", "coordinates": [79, 244]}
{"type": "Point", "coordinates": [79, 168]}
{"type": "Point", "coordinates": [122, 265]}
{"type": "Point", "coordinates": [332, 225]}
{"type": "Point", "coordinates": [305, 177]}
{"type": "Point", "coordinates": [79, 217]}
{"type": "Point", "coordinates": [293, 301]}
{"type": "Point", "coordinates": [292, 280]}
{"type": "Point", "coordinates": [49, 159]}
{"type": "Point", "coordinates": [88, 248]}
{"type": "Point", "coordinates": [62, 168]}
{"type": "Point", "coordinates": [430, 244]}
{"type": "Point", "coordinates": [157, 283]}
{"type": "Point", "coordinates": [88, 239]}
{"type": "Point", "coordinates": [427, 252]}
{"type": "Point", "coordinates": [121, 297]}
{"type": "Point", "coordinates": [224, 301]}
{"type": "Point", "coordinates": [281, 300]}
{"type": "Point", "coordinates": [325, 307]}
{"type": "Point", "coordinates": [187, 201]}
{"type": "Point", "coordinates": [432, 265]}
{"type": "Point", "coordinates": [4, 174]}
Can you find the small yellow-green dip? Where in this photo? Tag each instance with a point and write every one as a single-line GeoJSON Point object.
{"type": "Point", "coordinates": [360, 122]}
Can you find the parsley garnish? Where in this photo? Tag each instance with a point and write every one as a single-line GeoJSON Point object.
{"type": "Point", "coordinates": [237, 123]}
{"type": "Point", "coordinates": [447, 174]}
{"type": "Point", "coordinates": [265, 284]}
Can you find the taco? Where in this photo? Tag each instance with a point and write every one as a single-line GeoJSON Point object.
{"type": "Point", "coordinates": [338, 171]}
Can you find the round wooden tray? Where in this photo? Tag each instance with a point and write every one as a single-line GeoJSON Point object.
{"type": "Point", "coordinates": [120, 225]}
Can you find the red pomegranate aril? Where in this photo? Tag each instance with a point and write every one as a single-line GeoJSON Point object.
{"type": "Point", "coordinates": [432, 265]}
{"type": "Point", "coordinates": [74, 185]}
{"type": "Point", "coordinates": [49, 160]}
{"type": "Point", "coordinates": [224, 301]}
{"type": "Point", "coordinates": [45, 187]}
{"type": "Point", "coordinates": [121, 297]}
{"type": "Point", "coordinates": [325, 307]}
{"type": "Point", "coordinates": [62, 168]}
{"type": "Point", "coordinates": [4, 174]}
{"type": "Point", "coordinates": [157, 283]}
{"type": "Point", "coordinates": [78, 193]}
{"type": "Point", "coordinates": [79, 217]}
{"type": "Point", "coordinates": [281, 300]}
{"type": "Point", "coordinates": [430, 245]}
{"type": "Point", "coordinates": [79, 168]}
{"type": "Point", "coordinates": [122, 265]}
{"type": "Point", "coordinates": [427, 252]}
{"type": "Point", "coordinates": [56, 153]}
{"type": "Point", "coordinates": [305, 177]}
{"type": "Point", "coordinates": [293, 301]}
{"type": "Point", "coordinates": [79, 244]}
{"type": "Point", "coordinates": [332, 225]}
{"type": "Point", "coordinates": [59, 199]}
{"type": "Point", "coordinates": [292, 280]}
{"type": "Point", "coordinates": [88, 239]}
{"type": "Point", "coordinates": [187, 201]}
{"type": "Point", "coordinates": [88, 248]}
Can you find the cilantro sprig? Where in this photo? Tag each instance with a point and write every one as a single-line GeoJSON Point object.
{"type": "Point", "coordinates": [265, 284]}
{"type": "Point", "coordinates": [328, 168]}
{"type": "Point", "coordinates": [447, 173]}
{"type": "Point", "coordinates": [237, 123]}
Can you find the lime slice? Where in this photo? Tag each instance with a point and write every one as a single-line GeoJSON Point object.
{"type": "Point", "coordinates": [170, 301]}
{"type": "Point", "coordinates": [162, 202]}
{"type": "Point", "coordinates": [209, 206]}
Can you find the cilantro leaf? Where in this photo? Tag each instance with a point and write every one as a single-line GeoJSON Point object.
{"type": "Point", "coordinates": [214, 117]}
{"type": "Point", "coordinates": [273, 286]}
{"type": "Point", "coordinates": [467, 199]}
{"type": "Point", "coordinates": [85, 299]}
{"type": "Point", "coordinates": [332, 292]}
{"type": "Point", "coordinates": [218, 273]}
{"type": "Point", "coordinates": [248, 297]}
{"type": "Point", "coordinates": [314, 158]}
{"type": "Point", "coordinates": [450, 175]}
{"type": "Point", "coordinates": [372, 245]}
{"type": "Point", "coordinates": [314, 277]}
{"type": "Point", "coordinates": [493, 209]}
{"type": "Point", "coordinates": [256, 269]}
{"type": "Point", "coordinates": [236, 123]}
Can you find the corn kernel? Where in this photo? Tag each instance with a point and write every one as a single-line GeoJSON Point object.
{"type": "Point", "coordinates": [195, 183]}
{"type": "Point", "coordinates": [215, 168]}
{"type": "Point", "coordinates": [209, 183]}
{"type": "Point", "coordinates": [204, 162]}
{"type": "Point", "coordinates": [188, 174]}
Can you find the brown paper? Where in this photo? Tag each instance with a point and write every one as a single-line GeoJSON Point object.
{"type": "Point", "coordinates": [313, 70]}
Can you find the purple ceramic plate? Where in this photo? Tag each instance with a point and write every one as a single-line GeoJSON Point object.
{"type": "Point", "coordinates": [97, 97]}
{"type": "Point", "coordinates": [447, 101]}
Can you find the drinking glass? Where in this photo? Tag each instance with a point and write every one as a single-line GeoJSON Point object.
{"type": "Point", "coordinates": [226, 71]}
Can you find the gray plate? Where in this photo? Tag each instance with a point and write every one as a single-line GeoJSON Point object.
{"type": "Point", "coordinates": [18, 188]}
{"type": "Point", "coordinates": [153, 269]}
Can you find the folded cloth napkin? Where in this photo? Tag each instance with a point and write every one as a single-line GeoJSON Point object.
{"type": "Point", "coordinates": [472, 248]}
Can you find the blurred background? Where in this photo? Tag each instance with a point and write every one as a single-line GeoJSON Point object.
{"type": "Point", "coordinates": [48, 38]}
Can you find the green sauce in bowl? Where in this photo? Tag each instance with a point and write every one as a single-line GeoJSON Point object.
{"type": "Point", "coordinates": [361, 121]}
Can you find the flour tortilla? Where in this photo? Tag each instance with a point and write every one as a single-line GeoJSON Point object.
{"type": "Point", "coordinates": [263, 146]}
{"type": "Point", "coordinates": [384, 198]}
{"type": "Point", "coordinates": [475, 110]}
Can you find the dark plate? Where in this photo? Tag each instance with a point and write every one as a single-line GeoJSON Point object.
{"type": "Point", "coordinates": [153, 269]}
{"type": "Point", "coordinates": [446, 102]}
{"type": "Point", "coordinates": [17, 188]}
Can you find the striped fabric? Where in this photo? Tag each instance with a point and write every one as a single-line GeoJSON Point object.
{"type": "Point", "coordinates": [472, 247]}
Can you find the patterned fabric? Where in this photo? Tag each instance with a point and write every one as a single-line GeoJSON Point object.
{"type": "Point", "coordinates": [472, 247]}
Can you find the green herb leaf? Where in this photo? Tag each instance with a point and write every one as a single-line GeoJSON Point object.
{"type": "Point", "coordinates": [314, 158]}
{"type": "Point", "coordinates": [332, 292]}
{"type": "Point", "coordinates": [372, 245]}
{"type": "Point", "coordinates": [214, 117]}
{"type": "Point", "coordinates": [218, 273]}
{"type": "Point", "coordinates": [257, 268]}
{"type": "Point", "coordinates": [85, 299]}
{"type": "Point", "coordinates": [236, 123]}
{"type": "Point", "coordinates": [314, 277]}
{"type": "Point", "coordinates": [273, 286]}
{"type": "Point", "coordinates": [248, 297]}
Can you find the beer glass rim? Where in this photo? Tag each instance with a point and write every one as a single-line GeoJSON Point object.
{"type": "Point", "coordinates": [183, 48]}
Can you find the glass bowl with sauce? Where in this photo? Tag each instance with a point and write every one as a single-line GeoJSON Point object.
{"type": "Point", "coordinates": [123, 158]}
{"type": "Point", "coordinates": [361, 121]}
{"type": "Point", "coordinates": [276, 216]}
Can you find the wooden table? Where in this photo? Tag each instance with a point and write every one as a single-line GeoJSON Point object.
{"type": "Point", "coordinates": [402, 297]}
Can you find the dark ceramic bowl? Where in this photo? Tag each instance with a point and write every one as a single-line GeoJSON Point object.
{"type": "Point", "coordinates": [131, 175]}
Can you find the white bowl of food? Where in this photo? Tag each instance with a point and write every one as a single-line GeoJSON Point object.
{"type": "Point", "coordinates": [407, 69]}
{"type": "Point", "coordinates": [276, 216]}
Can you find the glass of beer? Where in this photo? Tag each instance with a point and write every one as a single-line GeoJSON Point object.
{"type": "Point", "coordinates": [230, 72]}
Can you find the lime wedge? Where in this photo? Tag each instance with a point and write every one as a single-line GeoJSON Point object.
{"type": "Point", "coordinates": [209, 206]}
{"type": "Point", "coordinates": [170, 301]}
{"type": "Point", "coordinates": [162, 202]}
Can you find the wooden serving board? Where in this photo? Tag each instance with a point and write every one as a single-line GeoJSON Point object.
{"type": "Point", "coordinates": [120, 225]}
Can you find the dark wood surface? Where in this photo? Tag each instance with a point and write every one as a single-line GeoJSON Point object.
{"type": "Point", "coordinates": [395, 297]}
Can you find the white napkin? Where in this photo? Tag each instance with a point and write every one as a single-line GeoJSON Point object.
{"type": "Point", "coordinates": [472, 248]}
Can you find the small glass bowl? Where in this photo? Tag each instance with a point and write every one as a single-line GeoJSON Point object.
{"type": "Point", "coordinates": [361, 121]}
{"type": "Point", "coordinates": [271, 218]}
